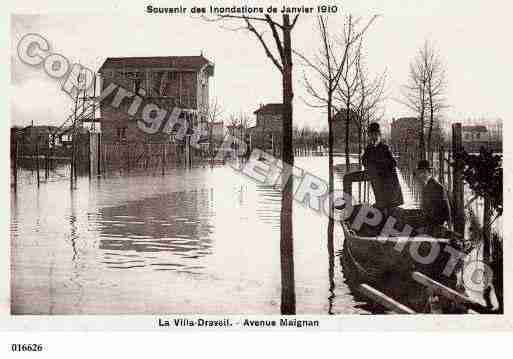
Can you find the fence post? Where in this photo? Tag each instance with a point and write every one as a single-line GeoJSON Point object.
{"type": "Point", "coordinates": [47, 163]}
{"type": "Point", "coordinates": [100, 153]}
{"type": "Point", "coordinates": [487, 214]}
{"type": "Point", "coordinates": [449, 172]}
{"type": "Point", "coordinates": [163, 159]}
{"type": "Point", "coordinates": [128, 157]}
{"type": "Point", "coordinates": [457, 180]}
{"type": "Point", "coordinates": [37, 163]}
{"type": "Point", "coordinates": [15, 164]}
{"type": "Point", "coordinates": [441, 165]}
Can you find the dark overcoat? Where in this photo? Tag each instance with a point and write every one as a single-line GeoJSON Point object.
{"type": "Point", "coordinates": [381, 169]}
{"type": "Point", "coordinates": [435, 204]}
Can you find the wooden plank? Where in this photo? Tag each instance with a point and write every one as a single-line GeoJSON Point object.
{"type": "Point", "coordinates": [451, 294]}
{"type": "Point", "coordinates": [384, 300]}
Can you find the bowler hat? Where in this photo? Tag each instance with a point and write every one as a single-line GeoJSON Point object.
{"type": "Point", "coordinates": [423, 165]}
{"type": "Point", "coordinates": [373, 127]}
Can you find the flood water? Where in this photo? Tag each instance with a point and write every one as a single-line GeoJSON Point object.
{"type": "Point", "coordinates": [193, 241]}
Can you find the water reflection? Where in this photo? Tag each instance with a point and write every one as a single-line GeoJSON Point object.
{"type": "Point", "coordinates": [269, 205]}
{"type": "Point", "coordinates": [174, 226]}
{"type": "Point", "coordinates": [198, 241]}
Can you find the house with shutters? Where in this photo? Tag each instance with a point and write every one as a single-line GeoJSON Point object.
{"type": "Point", "coordinates": [168, 82]}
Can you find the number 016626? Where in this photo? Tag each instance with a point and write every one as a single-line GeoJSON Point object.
{"type": "Point", "coordinates": [26, 347]}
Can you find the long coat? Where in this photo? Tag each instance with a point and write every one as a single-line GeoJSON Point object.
{"type": "Point", "coordinates": [435, 204]}
{"type": "Point", "coordinates": [381, 169]}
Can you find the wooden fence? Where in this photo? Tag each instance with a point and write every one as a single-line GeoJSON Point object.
{"type": "Point", "coordinates": [154, 157]}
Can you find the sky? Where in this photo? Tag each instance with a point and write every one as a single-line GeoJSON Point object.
{"type": "Point", "coordinates": [470, 37]}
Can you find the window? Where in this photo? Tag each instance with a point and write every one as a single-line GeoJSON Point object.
{"type": "Point", "coordinates": [121, 134]}
{"type": "Point", "coordinates": [156, 83]}
{"type": "Point", "coordinates": [478, 136]}
{"type": "Point", "coordinates": [162, 83]}
{"type": "Point", "coordinates": [136, 85]}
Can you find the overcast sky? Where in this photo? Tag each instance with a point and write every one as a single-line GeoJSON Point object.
{"type": "Point", "coordinates": [471, 37]}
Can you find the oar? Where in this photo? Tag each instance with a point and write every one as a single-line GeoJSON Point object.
{"type": "Point", "coordinates": [384, 300]}
{"type": "Point", "coordinates": [449, 293]}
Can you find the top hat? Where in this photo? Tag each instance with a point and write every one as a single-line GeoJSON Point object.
{"type": "Point", "coordinates": [373, 127]}
{"type": "Point", "coordinates": [423, 165]}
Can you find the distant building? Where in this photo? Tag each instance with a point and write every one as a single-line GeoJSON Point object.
{"type": "Point", "coordinates": [43, 136]}
{"type": "Point", "coordinates": [404, 134]}
{"type": "Point", "coordinates": [168, 82]}
{"type": "Point", "coordinates": [476, 133]}
{"type": "Point", "coordinates": [495, 135]}
{"type": "Point", "coordinates": [474, 137]}
{"type": "Point", "coordinates": [267, 132]}
{"type": "Point", "coordinates": [339, 132]}
{"type": "Point", "coordinates": [217, 129]}
{"type": "Point", "coordinates": [49, 140]}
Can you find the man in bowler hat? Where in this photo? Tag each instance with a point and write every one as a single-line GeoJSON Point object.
{"type": "Point", "coordinates": [435, 203]}
{"type": "Point", "coordinates": [380, 166]}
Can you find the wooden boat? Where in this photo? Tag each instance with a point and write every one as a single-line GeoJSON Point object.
{"type": "Point", "coordinates": [387, 261]}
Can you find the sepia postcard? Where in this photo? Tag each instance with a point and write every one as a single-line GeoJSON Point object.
{"type": "Point", "coordinates": [256, 166]}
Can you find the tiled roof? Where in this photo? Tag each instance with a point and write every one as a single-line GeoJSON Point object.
{"type": "Point", "coordinates": [270, 108]}
{"type": "Point", "coordinates": [186, 62]}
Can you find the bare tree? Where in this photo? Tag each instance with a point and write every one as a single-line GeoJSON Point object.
{"type": "Point", "coordinates": [368, 104]}
{"type": "Point", "coordinates": [239, 124]}
{"type": "Point", "coordinates": [436, 89]}
{"type": "Point", "coordinates": [215, 112]}
{"type": "Point", "coordinates": [424, 94]}
{"type": "Point", "coordinates": [329, 66]}
{"type": "Point", "coordinates": [281, 57]}
{"type": "Point", "coordinates": [334, 66]}
{"type": "Point", "coordinates": [347, 91]}
{"type": "Point", "coordinates": [414, 96]}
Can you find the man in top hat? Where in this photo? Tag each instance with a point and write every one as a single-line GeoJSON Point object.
{"type": "Point", "coordinates": [381, 170]}
{"type": "Point", "coordinates": [435, 204]}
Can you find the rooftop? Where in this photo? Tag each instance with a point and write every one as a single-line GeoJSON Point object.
{"type": "Point", "coordinates": [270, 108]}
{"type": "Point", "coordinates": [181, 62]}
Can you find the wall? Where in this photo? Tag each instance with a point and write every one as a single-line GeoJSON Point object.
{"type": "Point", "coordinates": [116, 119]}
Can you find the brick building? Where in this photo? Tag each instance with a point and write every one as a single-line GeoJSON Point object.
{"type": "Point", "coordinates": [217, 129]}
{"type": "Point", "coordinates": [339, 132]}
{"type": "Point", "coordinates": [168, 82]}
{"type": "Point", "coordinates": [475, 136]}
{"type": "Point", "coordinates": [266, 134]}
{"type": "Point", "coordinates": [404, 134]}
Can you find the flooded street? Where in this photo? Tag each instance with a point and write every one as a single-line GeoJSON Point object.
{"type": "Point", "coordinates": [193, 241]}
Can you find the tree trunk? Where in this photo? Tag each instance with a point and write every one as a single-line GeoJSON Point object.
{"type": "Point", "coordinates": [347, 138]}
{"type": "Point", "coordinates": [422, 143]}
{"type": "Point", "coordinates": [288, 295]}
{"type": "Point", "coordinates": [331, 224]}
{"type": "Point", "coordinates": [360, 159]}
{"type": "Point", "coordinates": [430, 129]}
